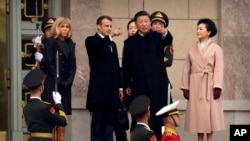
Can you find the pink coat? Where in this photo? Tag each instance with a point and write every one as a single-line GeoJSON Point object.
{"type": "Point", "coordinates": [203, 71]}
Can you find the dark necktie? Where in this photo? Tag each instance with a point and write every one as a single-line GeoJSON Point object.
{"type": "Point", "coordinates": [110, 46]}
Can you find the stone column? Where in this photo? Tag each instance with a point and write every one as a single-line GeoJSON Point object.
{"type": "Point", "coordinates": [235, 37]}
{"type": "Point", "coordinates": [83, 14]}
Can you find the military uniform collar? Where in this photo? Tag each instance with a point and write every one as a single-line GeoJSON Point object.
{"type": "Point", "coordinates": [34, 97]}
{"type": "Point", "coordinates": [144, 124]}
{"type": "Point", "coordinates": [171, 130]}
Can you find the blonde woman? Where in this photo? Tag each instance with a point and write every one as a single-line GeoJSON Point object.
{"type": "Point", "coordinates": [60, 43]}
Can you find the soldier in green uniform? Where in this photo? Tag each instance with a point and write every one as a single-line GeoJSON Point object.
{"type": "Point", "coordinates": [139, 108]}
{"type": "Point", "coordinates": [41, 117]}
{"type": "Point", "coordinates": [159, 23]}
{"type": "Point", "coordinates": [36, 54]}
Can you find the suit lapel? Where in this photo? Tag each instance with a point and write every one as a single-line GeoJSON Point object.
{"type": "Point", "coordinates": [62, 49]}
{"type": "Point", "coordinates": [199, 57]}
{"type": "Point", "coordinates": [109, 45]}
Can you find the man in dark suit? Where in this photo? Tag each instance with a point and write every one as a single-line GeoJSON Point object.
{"type": "Point", "coordinates": [140, 109]}
{"type": "Point", "coordinates": [143, 66]}
{"type": "Point", "coordinates": [41, 117]}
{"type": "Point", "coordinates": [105, 80]}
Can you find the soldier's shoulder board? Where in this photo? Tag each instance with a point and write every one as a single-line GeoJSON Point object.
{"type": "Point", "coordinates": [148, 129]}
{"type": "Point", "coordinates": [46, 102]}
{"type": "Point", "coordinates": [169, 134]}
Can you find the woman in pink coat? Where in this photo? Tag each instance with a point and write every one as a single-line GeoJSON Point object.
{"type": "Point", "coordinates": [201, 84]}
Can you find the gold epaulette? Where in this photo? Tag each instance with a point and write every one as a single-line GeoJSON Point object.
{"type": "Point", "coordinates": [148, 129]}
{"type": "Point", "coordinates": [165, 59]}
{"type": "Point", "coordinates": [46, 102]}
{"type": "Point", "coordinates": [170, 131]}
{"type": "Point", "coordinates": [62, 113]}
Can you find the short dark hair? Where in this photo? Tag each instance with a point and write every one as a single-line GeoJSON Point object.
{"type": "Point", "coordinates": [141, 115]}
{"type": "Point", "coordinates": [210, 25]}
{"type": "Point", "coordinates": [99, 20]}
{"type": "Point", "coordinates": [141, 13]}
{"type": "Point", "coordinates": [129, 22]}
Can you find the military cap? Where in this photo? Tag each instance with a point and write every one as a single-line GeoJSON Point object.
{"type": "Point", "coordinates": [159, 16]}
{"type": "Point", "coordinates": [47, 23]}
{"type": "Point", "coordinates": [139, 105]}
{"type": "Point", "coordinates": [168, 110]}
{"type": "Point", "coordinates": [33, 79]}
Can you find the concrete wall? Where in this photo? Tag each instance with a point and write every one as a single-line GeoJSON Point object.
{"type": "Point", "coordinates": [232, 19]}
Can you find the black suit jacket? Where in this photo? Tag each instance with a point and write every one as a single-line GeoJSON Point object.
{"type": "Point", "coordinates": [67, 69]}
{"type": "Point", "coordinates": [105, 73]}
{"type": "Point", "coordinates": [143, 67]}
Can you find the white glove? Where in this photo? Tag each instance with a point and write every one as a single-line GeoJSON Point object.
{"type": "Point", "coordinates": [56, 97]}
{"type": "Point", "coordinates": [37, 40]}
{"type": "Point", "coordinates": [38, 56]}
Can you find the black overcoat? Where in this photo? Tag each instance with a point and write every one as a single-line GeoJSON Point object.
{"type": "Point", "coordinates": [105, 72]}
{"type": "Point", "coordinates": [143, 67]}
{"type": "Point", "coordinates": [67, 69]}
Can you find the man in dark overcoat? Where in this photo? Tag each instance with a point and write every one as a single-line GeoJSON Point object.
{"type": "Point", "coordinates": [143, 67]}
{"type": "Point", "coordinates": [105, 80]}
